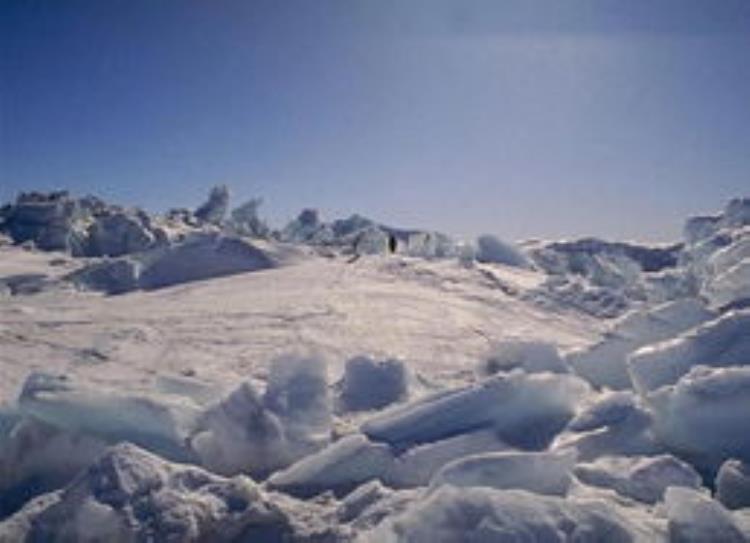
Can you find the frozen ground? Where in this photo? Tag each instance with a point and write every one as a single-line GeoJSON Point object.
{"type": "Point", "coordinates": [350, 382]}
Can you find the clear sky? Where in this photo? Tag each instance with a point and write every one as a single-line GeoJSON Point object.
{"type": "Point", "coordinates": [523, 118]}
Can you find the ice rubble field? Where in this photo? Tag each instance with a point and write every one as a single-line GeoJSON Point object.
{"type": "Point", "coordinates": [201, 377]}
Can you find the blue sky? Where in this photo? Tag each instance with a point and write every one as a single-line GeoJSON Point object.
{"type": "Point", "coordinates": [524, 118]}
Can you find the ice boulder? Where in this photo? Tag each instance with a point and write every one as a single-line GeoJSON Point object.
{"type": "Point", "coordinates": [245, 221]}
{"type": "Point", "coordinates": [611, 409]}
{"type": "Point", "coordinates": [240, 435]}
{"type": "Point", "coordinates": [116, 276]}
{"type": "Point", "coordinates": [696, 518]}
{"type": "Point", "coordinates": [131, 495]}
{"type": "Point", "coordinates": [700, 228]}
{"type": "Point", "coordinates": [198, 257]}
{"type": "Point", "coordinates": [215, 208]}
{"type": "Point", "coordinates": [733, 484]}
{"type": "Point", "coordinates": [538, 472]}
{"type": "Point", "coordinates": [120, 233]}
{"type": "Point", "coordinates": [297, 392]}
{"type": "Point", "coordinates": [373, 384]}
{"type": "Point", "coordinates": [526, 411]}
{"type": "Point", "coordinates": [340, 467]}
{"type": "Point", "coordinates": [36, 458]}
{"type": "Point", "coordinates": [731, 288]}
{"type": "Point", "coordinates": [201, 257]}
{"type": "Point", "coordinates": [608, 264]}
{"type": "Point", "coordinates": [737, 213]}
{"type": "Point", "coordinates": [492, 250]}
{"type": "Point", "coordinates": [308, 228]}
{"type": "Point", "coordinates": [484, 515]}
{"type": "Point", "coordinates": [159, 423]}
{"type": "Point", "coordinates": [642, 478]}
{"type": "Point", "coordinates": [416, 466]}
{"type": "Point", "coordinates": [360, 499]}
{"type": "Point", "coordinates": [721, 342]}
{"type": "Point", "coordinates": [737, 250]}
{"type": "Point", "coordinates": [529, 356]}
{"type": "Point", "coordinates": [258, 434]}
{"type": "Point", "coordinates": [704, 416]}
{"type": "Point", "coordinates": [50, 221]}
{"type": "Point", "coordinates": [615, 424]}
{"type": "Point", "coordinates": [604, 363]}
{"type": "Point", "coordinates": [371, 241]}
{"type": "Point", "coordinates": [427, 244]}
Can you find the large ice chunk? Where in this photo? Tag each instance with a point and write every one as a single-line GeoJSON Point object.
{"type": "Point", "coordinates": [731, 288]}
{"type": "Point", "coordinates": [539, 472]}
{"type": "Point", "coordinates": [721, 342]}
{"type": "Point", "coordinates": [485, 515]}
{"type": "Point", "coordinates": [36, 457]}
{"type": "Point", "coordinates": [215, 208]}
{"type": "Point", "coordinates": [157, 422]}
{"type": "Point", "coordinates": [246, 222]}
{"type": "Point", "coordinates": [733, 484]}
{"type": "Point", "coordinates": [340, 467]}
{"type": "Point", "coordinates": [530, 356]}
{"type": "Point", "coordinates": [120, 233]}
{"type": "Point", "coordinates": [200, 256]}
{"type": "Point", "coordinates": [373, 384]}
{"type": "Point", "coordinates": [604, 363]}
{"type": "Point", "coordinates": [526, 410]}
{"type": "Point", "coordinates": [491, 249]}
{"type": "Point", "coordinates": [611, 409]}
{"type": "Point", "coordinates": [642, 478]}
{"type": "Point", "coordinates": [131, 495]}
{"type": "Point", "coordinates": [297, 392]}
{"type": "Point", "coordinates": [308, 228]}
{"type": "Point", "coordinates": [696, 518]}
{"type": "Point", "coordinates": [699, 228]}
{"type": "Point", "coordinates": [416, 466]}
{"type": "Point", "coordinates": [616, 424]}
{"type": "Point", "coordinates": [240, 434]}
{"type": "Point", "coordinates": [254, 433]}
{"type": "Point", "coordinates": [704, 416]}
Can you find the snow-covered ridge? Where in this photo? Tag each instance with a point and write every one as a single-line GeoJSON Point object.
{"type": "Point", "coordinates": [319, 384]}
